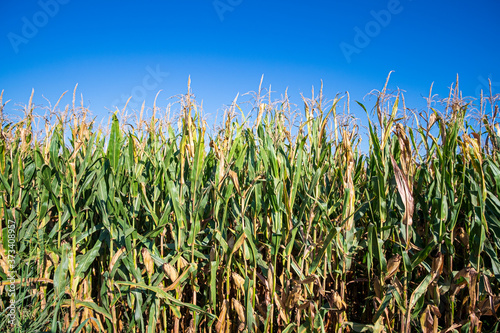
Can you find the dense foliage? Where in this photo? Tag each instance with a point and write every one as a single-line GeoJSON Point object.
{"type": "Point", "coordinates": [263, 227]}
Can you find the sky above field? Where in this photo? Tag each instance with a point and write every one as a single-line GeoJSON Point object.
{"type": "Point", "coordinates": [118, 49]}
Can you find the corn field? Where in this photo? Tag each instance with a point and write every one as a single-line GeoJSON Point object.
{"type": "Point", "coordinates": [269, 225]}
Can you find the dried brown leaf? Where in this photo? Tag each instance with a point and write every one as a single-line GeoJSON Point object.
{"type": "Point", "coordinates": [489, 304]}
{"type": "Point", "coordinates": [294, 296]}
{"type": "Point", "coordinates": [234, 178]}
{"type": "Point", "coordinates": [462, 237]}
{"type": "Point", "coordinates": [437, 264]}
{"type": "Point", "coordinates": [238, 281]}
{"type": "Point", "coordinates": [148, 261]}
{"type": "Point", "coordinates": [183, 262]}
{"type": "Point", "coordinates": [393, 266]}
{"type": "Point", "coordinates": [427, 320]}
{"type": "Point", "coordinates": [405, 192]}
{"type": "Point", "coordinates": [170, 271]}
{"type": "Point", "coordinates": [239, 310]}
{"type": "Point", "coordinates": [115, 258]}
{"type": "Point", "coordinates": [221, 322]}
{"type": "Point", "coordinates": [338, 301]}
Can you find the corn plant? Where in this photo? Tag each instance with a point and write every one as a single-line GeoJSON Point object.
{"type": "Point", "coordinates": [263, 227]}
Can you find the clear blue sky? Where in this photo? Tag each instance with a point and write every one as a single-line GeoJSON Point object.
{"type": "Point", "coordinates": [110, 48]}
